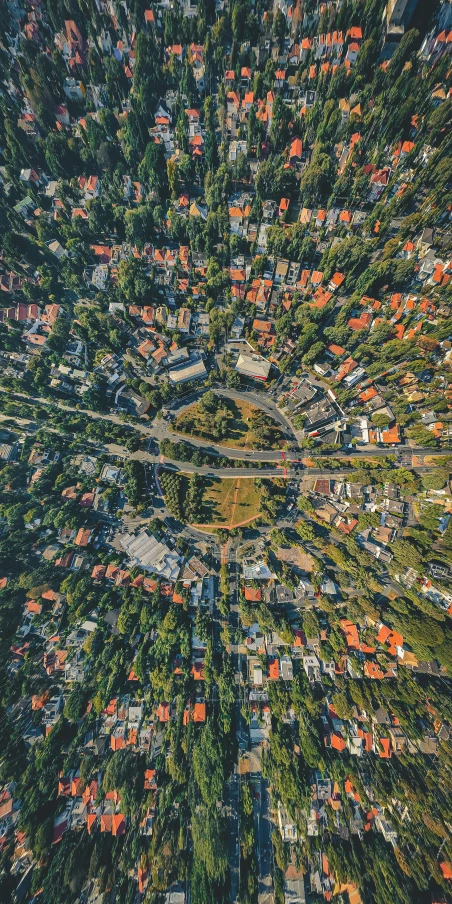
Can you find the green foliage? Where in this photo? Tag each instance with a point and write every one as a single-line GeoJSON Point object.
{"type": "Point", "coordinates": [435, 480]}
{"type": "Point", "coordinates": [208, 765]}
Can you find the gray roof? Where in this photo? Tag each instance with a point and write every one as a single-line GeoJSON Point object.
{"type": "Point", "coordinates": [146, 551]}
{"type": "Point", "coordinates": [253, 366]}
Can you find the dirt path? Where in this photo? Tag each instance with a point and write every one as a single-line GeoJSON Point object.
{"type": "Point", "coordinates": [234, 503]}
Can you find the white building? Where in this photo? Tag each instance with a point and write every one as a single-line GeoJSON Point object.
{"type": "Point", "coordinates": [148, 553]}
{"type": "Point", "coordinates": [252, 365]}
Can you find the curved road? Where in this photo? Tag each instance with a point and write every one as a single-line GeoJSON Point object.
{"type": "Point", "coordinates": [267, 405]}
{"type": "Point", "coordinates": [159, 430]}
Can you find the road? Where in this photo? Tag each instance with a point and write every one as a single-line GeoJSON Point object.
{"type": "Point", "coordinates": [229, 557]}
{"type": "Point", "coordinates": [261, 793]}
{"type": "Point", "coordinates": [159, 430]}
{"type": "Point", "coordinates": [255, 398]}
{"type": "Point", "coordinates": [287, 465]}
{"type": "Point", "coordinates": [263, 831]}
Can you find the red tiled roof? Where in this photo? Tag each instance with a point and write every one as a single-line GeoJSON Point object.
{"type": "Point", "coordinates": [273, 669]}
{"type": "Point", "coordinates": [385, 751]}
{"type": "Point", "coordinates": [253, 594]}
{"type": "Point", "coordinates": [337, 742]}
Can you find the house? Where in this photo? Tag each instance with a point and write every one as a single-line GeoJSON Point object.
{"type": "Point", "coordinates": [287, 827]}
{"type": "Point", "coordinates": [311, 666]}
{"type": "Point", "coordinates": [74, 89]}
{"type": "Point", "coordinates": [183, 320]}
{"type": "Point", "coordinates": [398, 15]}
{"type": "Point", "coordinates": [83, 537]}
{"type": "Point", "coordinates": [295, 151]}
{"type": "Point", "coordinates": [378, 182]}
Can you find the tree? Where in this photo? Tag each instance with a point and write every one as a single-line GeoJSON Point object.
{"type": "Point", "coordinates": [209, 841]}
{"type": "Point", "coordinates": [435, 480]}
{"type": "Point", "coordinates": [76, 703]}
{"type": "Point", "coordinates": [381, 420]}
{"type": "Point", "coordinates": [208, 765]}
{"type": "Point", "coordinates": [153, 171]}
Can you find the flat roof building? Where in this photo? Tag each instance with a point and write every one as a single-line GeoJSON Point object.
{"type": "Point", "coordinates": [254, 366]}
{"type": "Point", "coordinates": [147, 552]}
{"type": "Point", "coordinates": [193, 370]}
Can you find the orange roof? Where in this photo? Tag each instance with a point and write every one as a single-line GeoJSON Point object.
{"type": "Point", "coordinates": [118, 824]}
{"type": "Point", "coordinates": [82, 538]}
{"type": "Point", "coordinates": [199, 712]}
{"type": "Point", "coordinates": [273, 669]}
{"type": "Point", "coordinates": [446, 869]}
{"type": "Point", "coordinates": [385, 752]}
{"type": "Point", "coordinates": [337, 742]}
{"type": "Point", "coordinates": [34, 607]}
{"type": "Point", "coordinates": [299, 638]}
{"type": "Point", "coordinates": [296, 147]}
{"type": "Point", "coordinates": [111, 708]}
{"type": "Point", "coordinates": [149, 779]}
{"type": "Point", "coordinates": [117, 742]}
{"type": "Point", "coordinates": [177, 598]}
{"type": "Point", "coordinates": [360, 323]}
{"type": "Point", "coordinates": [233, 98]}
{"type": "Point", "coordinates": [112, 571]}
{"type": "Point", "coordinates": [262, 326]}
{"type": "Point", "coordinates": [336, 349]}
{"type": "Point", "coordinates": [368, 394]}
{"type": "Point", "coordinates": [392, 638]}
{"type": "Point", "coordinates": [99, 572]}
{"type": "Point", "coordinates": [197, 670]}
{"type": "Point", "coordinates": [351, 633]}
{"type": "Point", "coordinates": [337, 279]}
{"type": "Point", "coordinates": [163, 712]}
{"type": "Point", "coordinates": [391, 435]}
{"type": "Point", "coordinates": [90, 822]}
{"type": "Point", "coordinates": [75, 786]}
{"type": "Point", "coordinates": [105, 823]}
{"type": "Point", "coordinates": [372, 670]}
{"type": "Point", "coordinates": [253, 594]}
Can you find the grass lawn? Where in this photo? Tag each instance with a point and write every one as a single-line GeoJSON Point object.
{"type": "Point", "coordinates": [191, 422]}
{"type": "Point", "coordinates": [228, 503]}
{"type": "Point", "coordinates": [225, 503]}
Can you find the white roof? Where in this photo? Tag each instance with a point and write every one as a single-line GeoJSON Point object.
{"type": "Point", "coordinates": [253, 366]}
{"type": "Point", "coordinates": [258, 571]}
{"type": "Point", "coordinates": [89, 625]}
{"type": "Point", "coordinates": [257, 674]}
{"type": "Point", "coordinates": [146, 551]}
{"type": "Point", "coordinates": [193, 370]}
